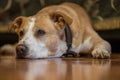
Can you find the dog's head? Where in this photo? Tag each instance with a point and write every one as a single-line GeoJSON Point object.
{"type": "Point", "coordinates": [41, 36]}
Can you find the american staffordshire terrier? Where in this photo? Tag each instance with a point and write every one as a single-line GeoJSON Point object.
{"type": "Point", "coordinates": [58, 29]}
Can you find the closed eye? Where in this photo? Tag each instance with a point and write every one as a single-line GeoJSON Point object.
{"type": "Point", "coordinates": [40, 32]}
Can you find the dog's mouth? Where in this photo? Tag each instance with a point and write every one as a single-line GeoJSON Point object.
{"type": "Point", "coordinates": [25, 52]}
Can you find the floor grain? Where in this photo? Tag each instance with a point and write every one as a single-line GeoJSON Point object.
{"type": "Point", "coordinates": [60, 69]}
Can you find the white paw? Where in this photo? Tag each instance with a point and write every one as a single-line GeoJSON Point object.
{"type": "Point", "coordinates": [100, 52]}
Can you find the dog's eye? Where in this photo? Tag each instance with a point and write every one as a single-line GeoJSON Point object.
{"type": "Point", "coordinates": [21, 33]}
{"type": "Point", "coordinates": [40, 32]}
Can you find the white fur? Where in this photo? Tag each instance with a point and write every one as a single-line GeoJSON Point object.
{"type": "Point", "coordinates": [37, 49]}
{"type": "Point", "coordinates": [83, 47]}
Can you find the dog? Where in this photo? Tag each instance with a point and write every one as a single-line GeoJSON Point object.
{"type": "Point", "coordinates": [56, 30]}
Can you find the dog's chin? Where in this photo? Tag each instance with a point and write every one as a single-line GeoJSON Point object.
{"type": "Point", "coordinates": [31, 56]}
{"type": "Point", "coordinates": [36, 56]}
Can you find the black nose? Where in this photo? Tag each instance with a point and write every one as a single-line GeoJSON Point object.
{"type": "Point", "coordinates": [21, 50]}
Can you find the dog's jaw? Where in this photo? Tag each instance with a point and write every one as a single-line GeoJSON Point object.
{"type": "Point", "coordinates": [61, 49]}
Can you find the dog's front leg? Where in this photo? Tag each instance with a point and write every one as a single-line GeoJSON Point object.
{"type": "Point", "coordinates": [101, 48]}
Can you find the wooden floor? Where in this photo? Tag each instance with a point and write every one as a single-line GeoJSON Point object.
{"type": "Point", "coordinates": [60, 69]}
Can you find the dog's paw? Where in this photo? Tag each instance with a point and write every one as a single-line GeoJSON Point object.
{"type": "Point", "coordinates": [100, 52]}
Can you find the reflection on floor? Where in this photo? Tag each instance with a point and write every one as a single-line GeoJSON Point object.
{"type": "Point", "coordinates": [60, 69]}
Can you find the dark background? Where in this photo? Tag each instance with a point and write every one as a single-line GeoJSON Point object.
{"type": "Point", "coordinates": [97, 9]}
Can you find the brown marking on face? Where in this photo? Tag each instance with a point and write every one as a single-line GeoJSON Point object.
{"type": "Point", "coordinates": [45, 23]}
{"type": "Point", "coordinates": [51, 37]}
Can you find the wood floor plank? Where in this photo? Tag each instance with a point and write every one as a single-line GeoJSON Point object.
{"type": "Point", "coordinates": [60, 68]}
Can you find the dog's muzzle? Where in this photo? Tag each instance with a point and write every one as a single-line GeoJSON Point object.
{"type": "Point", "coordinates": [21, 50]}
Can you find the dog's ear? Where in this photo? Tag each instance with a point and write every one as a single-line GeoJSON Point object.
{"type": "Point", "coordinates": [61, 19]}
{"type": "Point", "coordinates": [60, 16]}
{"type": "Point", "coordinates": [16, 24]}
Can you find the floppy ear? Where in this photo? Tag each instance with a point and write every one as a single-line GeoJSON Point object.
{"type": "Point", "coordinates": [61, 19]}
{"type": "Point", "coordinates": [62, 16]}
{"type": "Point", "coordinates": [16, 24]}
